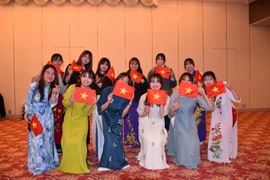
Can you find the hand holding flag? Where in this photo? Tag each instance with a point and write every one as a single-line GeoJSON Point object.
{"type": "Point", "coordinates": [156, 96]}
{"type": "Point", "coordinates": [110, 74]}
{"type": "Point", "coordinates": [76, 67]}
{"type": "Point", "coordinates": [163, 71]}
{"type": "Point", "coordinates": [84, 95]}
{"type": "Point", "coordinates": [35, 125]}
{"type": "Point", "coordinates": [215, 89]}
{"type": "Point", "coordinates": [188, 90]}
{"type": "Point", "coordinates": [58, 70]}
{"type": "Point", "coordinates": [135, 76]}
{"type": "Point", "coordinates": [198, 76]}
{"type": "Point", "coordinates": [123, 90]}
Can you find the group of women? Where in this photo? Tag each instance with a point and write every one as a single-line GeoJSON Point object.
{"type": "Point", "coordinates": [66, 129]}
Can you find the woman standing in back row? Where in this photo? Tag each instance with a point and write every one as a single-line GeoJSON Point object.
{"type": "Point", "coordinates": [131, 122]}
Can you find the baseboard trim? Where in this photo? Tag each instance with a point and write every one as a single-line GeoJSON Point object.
{"type": "Point", "coordinates": [13, 116]}
{"type": "Point", "coordinates": [253, 109]}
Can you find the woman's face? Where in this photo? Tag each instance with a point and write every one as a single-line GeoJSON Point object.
{"type": "Point", "coordinates": [124, 79]}
{"type": "Point", "coordinates": [160, 62]}
{"type": "Point", "coordinates": [134, 65]}
{"type": "Point", "coordinates": [86, 80]}
{"type": "Point", "coordinates": [57, 62]}
{"type": "Point", "coordinates": [189, 67]}
{"type": "Point", "coordinates": [104, 67]}
{"type": "Point", "coordinates": [208, 80]}
{"type": "Point", "coordinates": [85, 59]}
{"type": "Point", "coordinates": [155, 84]}
{"type": "Point", "coordinates": [186, 79]}
{"type": "Point", "coordinates": [49, 76]}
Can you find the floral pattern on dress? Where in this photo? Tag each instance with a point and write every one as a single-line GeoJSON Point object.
{"type": "Point", "coordinates": [216, 140]}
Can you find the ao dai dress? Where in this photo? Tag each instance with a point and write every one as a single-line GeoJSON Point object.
{"type": "Point", "coordinates": [74, 136]}
{"type": "Point", "coordinates": [152, 136]}
{"type": "Point", "coordinates": [113, 156]}
{"type": "Point", "coordinates": [223, 142]}
{"type": "Point", "coordinates": [186, 141]}
{"type": "Point", "coordinates": [42, 154]}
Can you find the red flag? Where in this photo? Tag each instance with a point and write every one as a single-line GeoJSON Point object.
{"type": "Point", "coordinates": [135, 76]}
{"type": "Point", "coordinates": [156, 96]}
{"type": "Point", "coordinates": [215, 89]}
{"type": "Point", "coordinates": [123, 90]}
{"type": "Point", "coordinates": [76, 67]}
{"type": "Point", "coordinates": [164, 72]}
{"type": "Point", "coordinates": [84, 95]}
{"type": "Point", "coordinates": [198, 76]}
{"type": "Point", "coordinates": [58, 70]}
{"type": "Point", "coordinates": [188, 90]}
{"type": "Point", "coordinates": [35, 125]}
{"type": "Point", "coordinates": [110, 74]}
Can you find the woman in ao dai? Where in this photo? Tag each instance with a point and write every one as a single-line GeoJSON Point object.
{"type": "Point", "coordinates": [152, 133]}
{"type": "Point", "coordinates": [223, 139]}
{"type": "Point", "coordinates": [186, 140]}
{"type": "Point", "coordinates": [41, 98]}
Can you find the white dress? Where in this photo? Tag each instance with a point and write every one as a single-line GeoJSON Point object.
{"type": "Point", "coordinates": [152, 136]}
{"type": "Point", "coordinates": [97, 132]}
{"type": "Point", "coordinates": [223, 140]}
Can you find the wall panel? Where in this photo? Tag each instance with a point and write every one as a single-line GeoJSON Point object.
{"type": "Point", "coordinates": [214, 32]}
{"type": "Point", "coordinates": [55, 31]}
{"type": "Point", "coordinates": [190, 34]}
{"type": "Point", "coordinates": [165, 33]}
{"type": "Point", "coordinates": [238, 52]}
{"type": "Point", "coordinates": [83, 30]}
{"type": "Point", "coordinates": [259, 67]}
{"type": "Point", "coordinates": [111, 35]}
{"type": "Point", "coordinates": [138, 35]}
{"type": "Point", "coordinates": [7, 87]}
{"type": "Point", "coordinates": [27, 39]}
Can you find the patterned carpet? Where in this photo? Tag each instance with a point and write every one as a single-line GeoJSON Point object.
{"type": "Point", "coordinates": [253, 161]}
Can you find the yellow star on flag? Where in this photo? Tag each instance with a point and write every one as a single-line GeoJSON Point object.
{"type": "Point", "coordinates": [215, 89]}
{"type": "Point", "coordinates": [123, 91]}
{"type": "Point", "coordinates": [34, 125]}
{"type": "Point", "coordinates": [112, 75]}
{"type": "Point", "coordinates": [162, 72]}
{"type": "Point", "coordinates": [200, 77]}
{"type": "Point", "coordinates": [188, 90]}
{"type": "Point", "coordinates": [134, 76]}
{"type": "Point", "coordinates": [156, 96]}
{"type": "Point", "coordinates": [75, 67]}
{"type": "Point", "coordinates": [84, 96]}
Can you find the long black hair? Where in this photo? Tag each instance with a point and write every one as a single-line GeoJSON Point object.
{"type": "Point", "coordinates": [102, 61]}
{"type": "Point", "coordinates": [41, 83]}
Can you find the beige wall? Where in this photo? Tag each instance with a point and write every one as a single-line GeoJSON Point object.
{"type": "Point", "coordinates": [216, 35]}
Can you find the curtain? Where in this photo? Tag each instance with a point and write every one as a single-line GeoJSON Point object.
{"type": "Point", "coordinates": [93, 2]}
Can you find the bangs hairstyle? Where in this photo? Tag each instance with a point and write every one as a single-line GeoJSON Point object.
{"type": "Point", "coordinates": [153, 76]}
{"type": "Point", "coordinates": [84, 73]}
{"type": "Point", "coordinates": [156, 76]}
{"type": "Point", "coordinates": [182, 77]}
{"type": "Point", "coordinates": [134, 59]}
{"type": "Point", "coordinates": [89, 65]}
{"type": "Point", "coordinates": [122, 75]}
{"type": "Point", "coordinates": [209, 74]}
{"type": "Point", "coordinates": [56, 56]}
{"type": "Point", "coordinates": [161, 56]}
{"type": "Point", "coordinates": [102, 61]}
{"type": "Point", "coordinates": [41, 83]}
{"type": "Point", "coordinates": [190, 61]}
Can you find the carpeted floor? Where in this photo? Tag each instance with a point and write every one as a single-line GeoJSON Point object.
{"type": "Point", "coordinates": [253, 161]}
